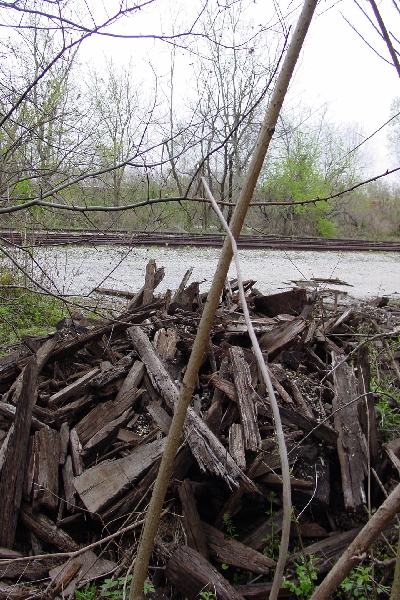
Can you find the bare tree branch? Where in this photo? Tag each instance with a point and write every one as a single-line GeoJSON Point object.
{"type": "Point", "coordinates": [150, 201]}
{"type": "Point", "coordinates": [386, 36]}
{"type": "Point", "coordinates": [365, 41]}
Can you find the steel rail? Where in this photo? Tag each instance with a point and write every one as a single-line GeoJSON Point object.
{"type": "Point", "coordinates": [67, 237]}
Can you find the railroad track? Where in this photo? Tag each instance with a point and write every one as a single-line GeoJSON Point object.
{"type": "Point", "coordinates": [65, 237]}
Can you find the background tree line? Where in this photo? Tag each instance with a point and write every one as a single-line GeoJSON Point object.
{"type": "Point", "coordinates": [74, 133]}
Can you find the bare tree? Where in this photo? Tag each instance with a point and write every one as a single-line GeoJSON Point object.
{"type": "Point", "coordinates": [123, 115]}
{"type": "Point", "coordinates": [232, 88]}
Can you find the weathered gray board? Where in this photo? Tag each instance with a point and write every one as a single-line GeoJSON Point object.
{"type": "Point", "coordinates": [101, 484]}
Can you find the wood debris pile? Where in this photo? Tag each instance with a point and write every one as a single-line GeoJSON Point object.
{"type": "Point", "coordinates": [84, 416]}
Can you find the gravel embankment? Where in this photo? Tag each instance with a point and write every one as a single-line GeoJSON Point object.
{"type": "Point", "coordinates": [81, 270]}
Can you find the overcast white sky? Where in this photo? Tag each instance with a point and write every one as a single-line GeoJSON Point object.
{"type": "Point", "coordinates": [336, 66]}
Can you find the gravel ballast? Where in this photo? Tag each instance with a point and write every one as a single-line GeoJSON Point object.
{"type": "Point", "coordinates": [80, 270]}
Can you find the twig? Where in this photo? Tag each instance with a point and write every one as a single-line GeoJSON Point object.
{"type": "Point", "coordinates": [287, 502]}
{"type": "Point", "coordinates": [386, 36]}
{"type": "Point", "coordinates": [267, 130]}
{"type": "Point", "coordinates": [350, 558]}
{"type": "Point", "coordinates": [179, 199]}
{"type": "Point", "coordinates": [76, 553]}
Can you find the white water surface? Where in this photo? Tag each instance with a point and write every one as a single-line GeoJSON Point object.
{"type": "Point", "coordinates": [80, 270]}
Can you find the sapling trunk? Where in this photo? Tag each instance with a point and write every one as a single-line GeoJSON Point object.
{"type": "Point", "coordinates": [267, 130]}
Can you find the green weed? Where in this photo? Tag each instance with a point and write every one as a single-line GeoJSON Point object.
{"type": "Point", "coordinates": [360, 584]}
{"type": "Point", "coordinates": [229, 526]}
{"type": "Point", "coordinates": [383, 385]}
{"type": "Point", "coordinates": [25, 312]}
{"type": "Point", "coordinates": [148, 588]}
{"type": "Point", "coordinates": [307, 574]}
{"type": "Point", "coordinates": [114, 588]}
{"type": "Point", "coordinates": [272, 540]}
{"type": "Point", "coordinates": [205, 595]}
{"type": "Point", "coordinates": [89, 592]}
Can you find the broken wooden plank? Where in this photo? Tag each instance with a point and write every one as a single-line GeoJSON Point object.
{"type": "Point", "coordinates": [392, 449]}
{"type": "Point", "coordinates": [46, 529]}
{"type": "Point", "coordinates": [264, 531]}
{"type": "Point", "coordinates": [165, 341]}
{"type": "Point", "coordinates": [186, 299]}
{"type": "Point", "coordinates": [351, 442]}
{"type": "Point", "coordinates": [85, 568]}
{"type": "Point", "coordinates": [235, 553]}
{"type": "Point", "coordinates": [69, 488]}
{"type": "Point", "coordinates": [160, 416]}
{"type": "Point", "coordinates": [137, 299]}
{"type": "Point", "coordinates": [283, 335]}
{"type": "Point", "coordinates": [288, 416]}
{"type": "Point", "coordinates": [132, 380]}
{"type": "Point", "coordinates": [149, 283]}
{"type": "Point", "coordinates": [137, 495]}
{"type": "Point", "coordinates": [78, 386]}
{"type": "Point", "coordinates": [192, 525]}
{"type": "Point", "coordinates": [17, 591]}
{"type": "Point", "coordinates": [42, 355]}
{"type": "Point", "coordinates": [261, 591]}
{"type": "Point", "coordinates": [13, 471]}
{"type": "Point", "coordinates": [103, 483]}
{"type": "Point", "coordinates": [126, 319]}
{"type": "Point", "coordinates": [65, 577]}
{"type": "Point", "coordinates": [101, 415]}
{"type": "Point", "coordinates": [211, 455]}
{"type": "Point", "coordinates": [205, 446]}
{"type": "Point", "coordinates": [274, 481]}
{"type": "Point", "coordinates": [156, 371]}
{"type": "Point", "coordinates": [367, 410]}
{"type": "Point", "coordinates": [327, 343]}
{"type": "Point", "coordinates": [191, 574]}
{"type": "Point", "coordinates": [236, 445]}
{"type": "Point", "coordinates": [245, 399]}
{"type": "Point", "coordinates": [278, 387]}
{"type": "Point", "coordinates": [112, 292]}
{"type": "Point", "coordinates": [112, 373]}
{"type": "Point", "coordinates": [73, 409]}
{"type": "Point", "coordinates": [106, 434]}
{"type": "Point", "coordinates": [10, 364]}
{"type": "Point", "coordinates": [182, 285]}
{"type": "Point", "coordinates": [240, 327]}
{"type": "Point", "coordinates": [312, 426]}
{"type": "Point", "coordinates": [281, 377]}
{"type": "Point", "coordinates": [93, 421]}
{"type": "Point", "coordinates": [46, 449]}
{"type": "Point", "coordinates": [76, 452]}
{"type": "Point", "coordinates": [234, 503]}
{"type": "Point", "coordinates": [30, 570]}
{"type": "Point", "coordinates": [290, 302]}
{"type": "Point", "coordinates": [328, 550]}
{"type": "Point", "coordinates": [64, 441]}
{"type": "Point", "coordinates": [9, 410]}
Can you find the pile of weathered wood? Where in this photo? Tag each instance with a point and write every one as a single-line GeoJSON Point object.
{"type": "Point", "coordinates": [83, 422]}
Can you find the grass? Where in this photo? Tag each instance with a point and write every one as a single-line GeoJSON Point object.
{"type": "Point", "coordinates": [24, 311]}
{"type": "Point", "coordinates": [385, 388]}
